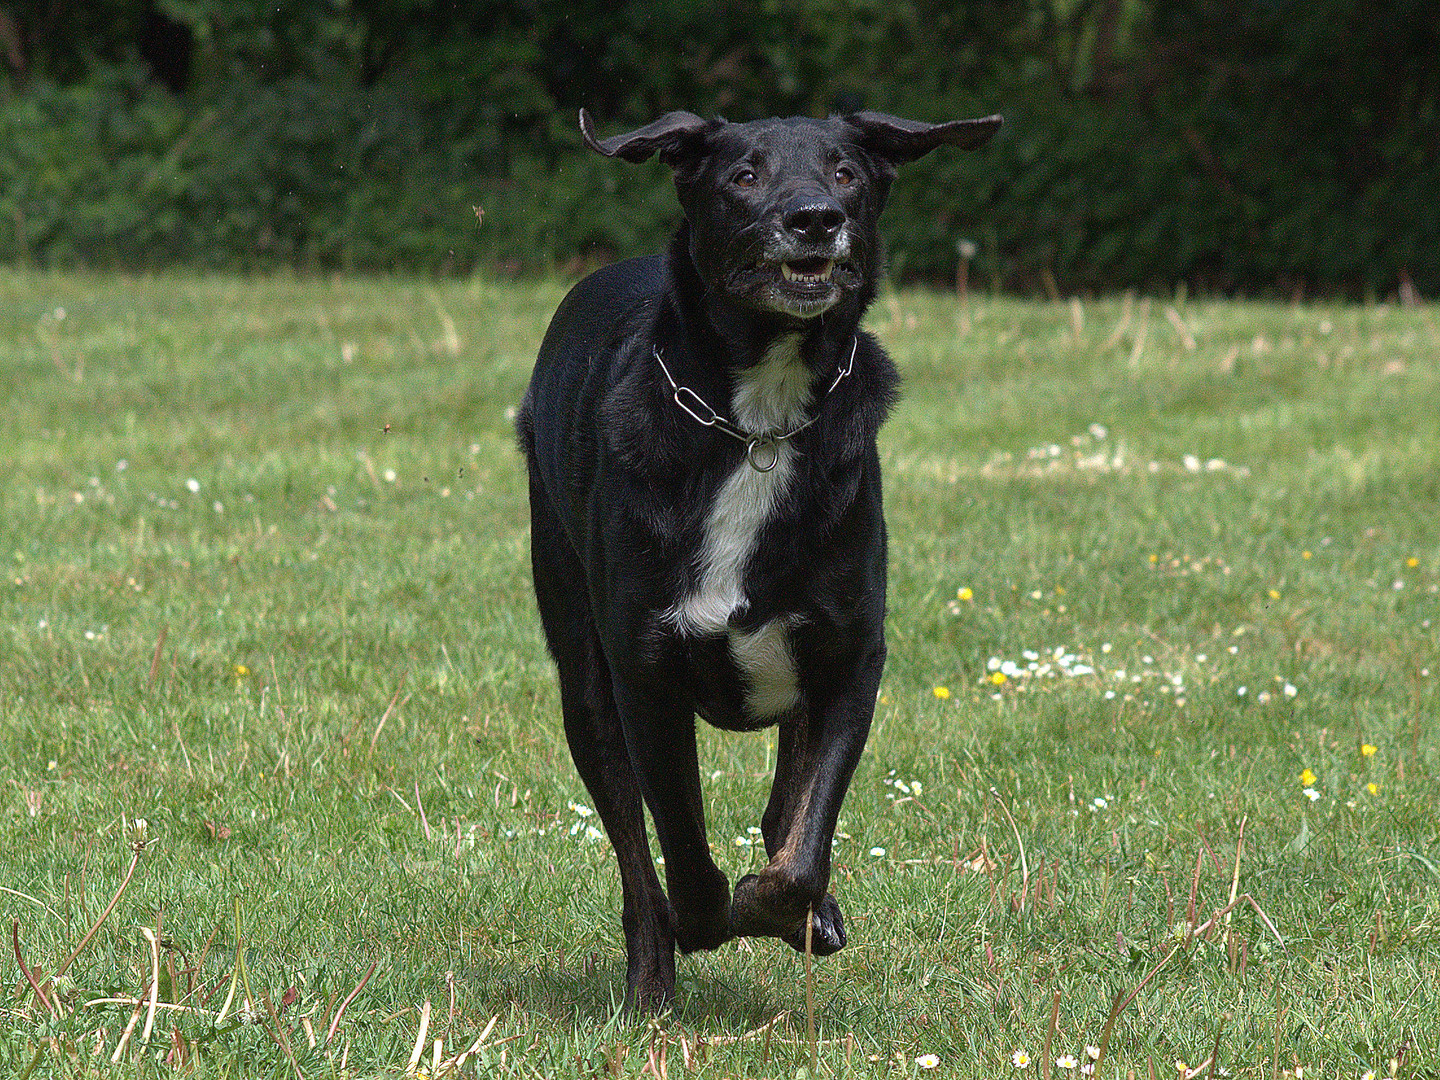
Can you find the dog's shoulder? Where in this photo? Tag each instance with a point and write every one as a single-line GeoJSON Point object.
{"type": "Point", "coordinates": [867, 402]}
{"type": "Point", "coordinates": [591, 326]}
{"type": "Point", "coordinates": [600, 311]}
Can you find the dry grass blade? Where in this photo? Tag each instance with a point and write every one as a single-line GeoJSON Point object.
{"type": "Point", "coordinates": [280, 1038]}
{"type": "Point", "coordinates": [189, 1010]}
{"type": "Point", "coordinates": [138, 849]}
{"type": "Point", "coordinates": [125, 1035]}
{"type": "Point", "coordinates": [1024, 863]}
{"type": "Point", "coordinates": [413, 1065]}
{"type": "Point", "coordinates": [374, 739]}
{"type": "Point", "coordinates": [1225, 911]}
{"type": "Point", "coordinates": [1120, 1004]}
{"type": "Point", "coordinates": [810, 988]}
{"type": "Point", "coordinates": [238, 975]}
{"type": "Point", "coordinates": [155, 657]}
{"type": "Point", "coordinates": [153, 998]}
{"type": "Point", "coordinates": [1045, 1059]}
{"type": "Point", "coordinates": [474, 1047]}
{"type": "Point", "coordinates": [335, 1020]}
{"type": "Point", "coordinates": [38, 903]}
{"type": "Point", "coordinates": [1235, 878]}
{"type": "Point", "coordinates": [1187, 339]}
{"type": "Point", "coordinates": [52, 1009]}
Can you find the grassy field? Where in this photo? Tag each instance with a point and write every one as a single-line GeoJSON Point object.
{"type": "Point", "coordinates": [1164, 627]}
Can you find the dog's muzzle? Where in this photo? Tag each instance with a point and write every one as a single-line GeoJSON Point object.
{"type": "Point", "coordinates": [798, 278]}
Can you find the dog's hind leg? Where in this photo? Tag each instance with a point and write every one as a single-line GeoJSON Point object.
{"type": "Point", "coordinates": [597, 745]}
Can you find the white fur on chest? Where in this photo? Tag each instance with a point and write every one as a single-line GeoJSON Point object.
{"type": "Point", "coordinates": [769, 398]}
{"type": "Point", "coordinates": [773, 396]}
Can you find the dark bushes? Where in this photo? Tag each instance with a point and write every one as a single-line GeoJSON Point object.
{"type": "Point", "coordinates": [1231, 145]}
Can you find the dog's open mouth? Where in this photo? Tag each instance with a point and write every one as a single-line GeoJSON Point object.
{"type": "Point", "coordinates": [800, 285]}
{"type": "Point", "coordinates": [812, 271]}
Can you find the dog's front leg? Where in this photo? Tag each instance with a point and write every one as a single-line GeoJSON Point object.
{"type": "Point", "coordinates": [660, 735]}
{"type": "Point", "coordinates": [817, 756]}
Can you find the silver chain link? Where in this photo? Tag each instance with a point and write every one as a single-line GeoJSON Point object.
{"type": "Point", "coordinates": [767, 447]}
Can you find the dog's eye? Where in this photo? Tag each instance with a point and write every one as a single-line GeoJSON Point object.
{"type": "Point", "coordinates": [844, 176]}
{"type": "Point", "coordinates": [745, 178]}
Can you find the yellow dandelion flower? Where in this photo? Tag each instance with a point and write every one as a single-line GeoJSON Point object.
{"type": "Point", "coordinates": [999, 678]}
{"type": "Point", "coordinates": [1307, 554]}
{"type": "Point", "coordinates": [1412, 562]}
{"type": "Point", "coordinates": [1368, 750]}
{"type": "Point", "coordinates": [1154, 559]}
{"type": "Point", "coordinates": [1274, 594]}
{"type": "Point", "coordinates": [241, 671]}
{"type": "Point", "coordinates": [942, 692]}
{"type": "Point", "coordinates": [966, 593]}
{"type": "Point", "coordinates": [1307, 778]}
{"type": "Point", "coordinates": [1373, 788]}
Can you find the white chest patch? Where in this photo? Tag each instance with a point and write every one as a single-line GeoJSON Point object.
{"type": "Point", "coordinates": [773, 396]}
{"type": "Point", "coordinates": [770, 397]}
{"type": "Point", "coordinates": [764, 656]}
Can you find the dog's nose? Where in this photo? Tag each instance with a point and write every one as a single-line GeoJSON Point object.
{"type": "Point", "coordinates": [814, 219]}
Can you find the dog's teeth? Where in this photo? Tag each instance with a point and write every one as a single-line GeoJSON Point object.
{"type": "Point", "coordinates": [791, 274]}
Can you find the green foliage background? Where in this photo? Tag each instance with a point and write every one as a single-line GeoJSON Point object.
{"type": "Point", "coordinates": [1235, 146]}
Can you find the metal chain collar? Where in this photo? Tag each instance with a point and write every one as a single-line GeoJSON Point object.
{"type": "Point", "coordinates": [761, 451]}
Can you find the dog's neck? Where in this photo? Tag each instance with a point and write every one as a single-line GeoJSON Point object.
{"type": "Point", "coordinates": [775, 361]}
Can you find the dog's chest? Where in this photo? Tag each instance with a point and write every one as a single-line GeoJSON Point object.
{"type": "Point", "coordinates": [770, 398]}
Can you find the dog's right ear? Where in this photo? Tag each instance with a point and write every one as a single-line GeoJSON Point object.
{"type": "Point", "coordinates": [674, 136]}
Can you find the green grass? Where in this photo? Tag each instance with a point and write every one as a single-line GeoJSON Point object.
{"type": "Point", "coordinates": [266, 587]}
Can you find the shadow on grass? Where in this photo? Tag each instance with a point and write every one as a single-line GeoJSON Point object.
{"type": "Point", "coordinates": [592, 993]}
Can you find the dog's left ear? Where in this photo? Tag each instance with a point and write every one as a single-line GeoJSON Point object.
{"type": "Point", "coordinates": [899, 141]}
{"type": "Point", "coordinates": [674, 136]}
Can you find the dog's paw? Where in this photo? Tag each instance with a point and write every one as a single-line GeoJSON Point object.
{"type": "Point", "coordinates": [828, 930]}
{"type": "Point", "coordinates": [700, 910]}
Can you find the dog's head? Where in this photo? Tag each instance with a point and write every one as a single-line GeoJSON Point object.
{"type": "Point", "coordinates": [782, 213]}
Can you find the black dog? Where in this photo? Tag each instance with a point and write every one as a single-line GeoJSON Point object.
{"type": "Point", "coordinates": [705, 505]}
